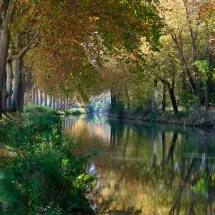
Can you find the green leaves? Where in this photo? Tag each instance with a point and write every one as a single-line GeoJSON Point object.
{"type": "Point", "coordinates": [204, 69]}
{"type": "Point", "coordinates": [43, 176]}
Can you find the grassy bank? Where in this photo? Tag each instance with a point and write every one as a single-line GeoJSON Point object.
{"type": "Point", "coordinates": [194, 119]}
{"type": "Point", "coordinates": [73, 111]}
{"type": "Point", "coordinates": [39, 173]}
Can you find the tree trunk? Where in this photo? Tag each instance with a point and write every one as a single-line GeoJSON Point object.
{"type": "Point", "coordinates": [61, 103]}
{"type": "Point", "coordinates": [7, 14]}
{"type": "Point", "coordinates": [36, 97]}
{"type": "Point", "coordinates": [33, 94]}
{"type": "Point", "coordinates": [4, 95]}
{"type": "Point", "coordinates": [41, 97]}
{"type": "Point", "coordinates": [45, 100]}
{"type": "Point", "coordinates": [113, 101]}
{"type": "Point", "coordinates": [207, 95]}
{"type": "Point", "coordinates": [155, 96]}
{"type": "Point", "coordinates": [164, 98]}
{"type": "Point", "coordinates": [69, 103]}
{"type": "Point", "coordinates": [57, 104]}
{"type": "Point", "coordinates": [128, 98]}
{"type": "Point", "coordinates": [9, 86]}
{"type": "Point", "coordinates": [54, 103]}
{"type": "Point", "coordinates": [4, 46]}
{"type": "Point", "coordinates": [18, 87]}
{"type": "Point", "coordinates": [66, 105]}
{"type": "Point", "coordinates": [50, 101]}
{"type": "Point", "coordinates": [178, 41]}
{"type": "Point", "coordinates": [173, 99]}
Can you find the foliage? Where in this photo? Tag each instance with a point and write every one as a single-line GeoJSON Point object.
{"type": "Point", "coordinates": [39, 173]}
{"type": "Point", "coordinates": [188, 100]}
{"type": "Point", "coordinates": [201, 185]}
{"type": "Point", "coordinates": [76, 111]}
{"type": "Point", "coordinates": [204, 69]}
{"type": "Point", "coordinates": [74, 37]}
{"type": "Point", "coordinates": [118, 108]}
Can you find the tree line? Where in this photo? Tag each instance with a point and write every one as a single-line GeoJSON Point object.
{"type": "Point", "coordinates": [179, 74]}
{"type": "Point", "coordinates": [56, 47]}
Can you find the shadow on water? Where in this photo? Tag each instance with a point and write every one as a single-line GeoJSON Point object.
{"type": "Point", "coordinates": [148, 169]}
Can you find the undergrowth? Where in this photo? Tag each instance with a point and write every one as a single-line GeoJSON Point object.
{"type": "Point", "coordinates": [38, 172]}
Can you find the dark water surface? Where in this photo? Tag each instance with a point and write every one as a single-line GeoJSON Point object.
{"type": "Point", "coordinates": [146, 169]}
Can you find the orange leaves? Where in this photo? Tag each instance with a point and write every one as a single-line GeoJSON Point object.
{"type": "Point", "coordinates": [74, 34]}
{"type": "Point", "coordinates": [207, 10]}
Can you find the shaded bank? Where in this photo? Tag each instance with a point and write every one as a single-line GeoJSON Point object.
{"type": "Point", "coordinates": [201, 119]}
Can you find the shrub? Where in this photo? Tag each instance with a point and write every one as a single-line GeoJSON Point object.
{"type": "Point", "coordinates": [39, 174]}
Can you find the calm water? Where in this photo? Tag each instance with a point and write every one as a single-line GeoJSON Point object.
{"type": "Point", "coordinates": [145, 169]}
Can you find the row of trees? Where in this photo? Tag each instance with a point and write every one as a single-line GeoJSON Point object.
{"type": "Point", "coordinates": [62, 103]}
{"type": "Point", "coordinates": [59, 45]}
{"type": "Point", "coordinates": [183, 68]}
{"type": "Point", "coordinates": [79, 49]}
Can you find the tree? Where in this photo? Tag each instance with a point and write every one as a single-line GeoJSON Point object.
{"type": "Point", "coordinates": [7, 11]}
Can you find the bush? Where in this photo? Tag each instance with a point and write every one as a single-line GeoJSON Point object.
{"type": "Point", "coordinates": [117, 108]}
{"type": "Point", "coordinates": [39, 174]}
{"type": "Point", "coordinates": [189, 101]}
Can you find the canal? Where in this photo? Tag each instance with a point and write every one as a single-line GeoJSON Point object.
{"type": "Point", "coordinates": [147, 169]}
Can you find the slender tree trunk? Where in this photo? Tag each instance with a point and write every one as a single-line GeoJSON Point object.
{"type": "Point", "coordinates": [50, 101]}
{"type": "Point", "coordinates": [113, 101]}
{"type": "Point", "coordinates": [41, 97]}
{"type": "Point", "coordinates": [61, 103]}
{"type": "Point", "coordinates": [207, 95]}
{"type": "Point", "coordinates": [45, 100]}
{"type": "Point", "coordinates": [128, 98]}
{"type": "Point", "coordinates": [178, 41]}
{"type": "Point", "coordinates": [164, 98]}
{"type": "Point", "coordinates": [54, 103]}
{"type": "Point", "coordinates": [57, 104]}
{"type": "Point", "coordinates": [66, 105]}
{"type": "Point", "coordinates": [9, 85]}
{"type": "Point", "coordinates": [173, 99]}
{"type": "Point", "coordinates": [33, 94]}
{"type": "Point", "coordinates": [155, 96]}
{"type": "Point", "coordinates": [36, 97]}
{"type": "Point", "coordinates": [69, 103]}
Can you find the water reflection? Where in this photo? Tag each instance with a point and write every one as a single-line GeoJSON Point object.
{"type": "Point", "coordinates": [144, 169]}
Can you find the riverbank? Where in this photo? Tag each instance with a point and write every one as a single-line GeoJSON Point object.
{"type": "Point", "coordinates": [73, 111]}
{"type": "Point", "coordinates": [39, 172]}
{"type": "Point", "coordinates": [201, 119]}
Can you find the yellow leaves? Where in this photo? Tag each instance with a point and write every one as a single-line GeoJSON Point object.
{"type": "Point", "coordinates": [94, 18]}
{"type": "Point", "coordinates": [174, 13]}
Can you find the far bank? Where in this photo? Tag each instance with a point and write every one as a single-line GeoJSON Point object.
{"type": "Point", "coordinates": [203, 119]}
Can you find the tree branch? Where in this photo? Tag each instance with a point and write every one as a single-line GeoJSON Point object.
{"type": "Point", "coordinates": [32, 44]}
{"type": "Point", "coordinates": [9, 14]}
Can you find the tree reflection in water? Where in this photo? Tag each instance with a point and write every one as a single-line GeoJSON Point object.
{"type": "Point", "coordinates": [144, 169]}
